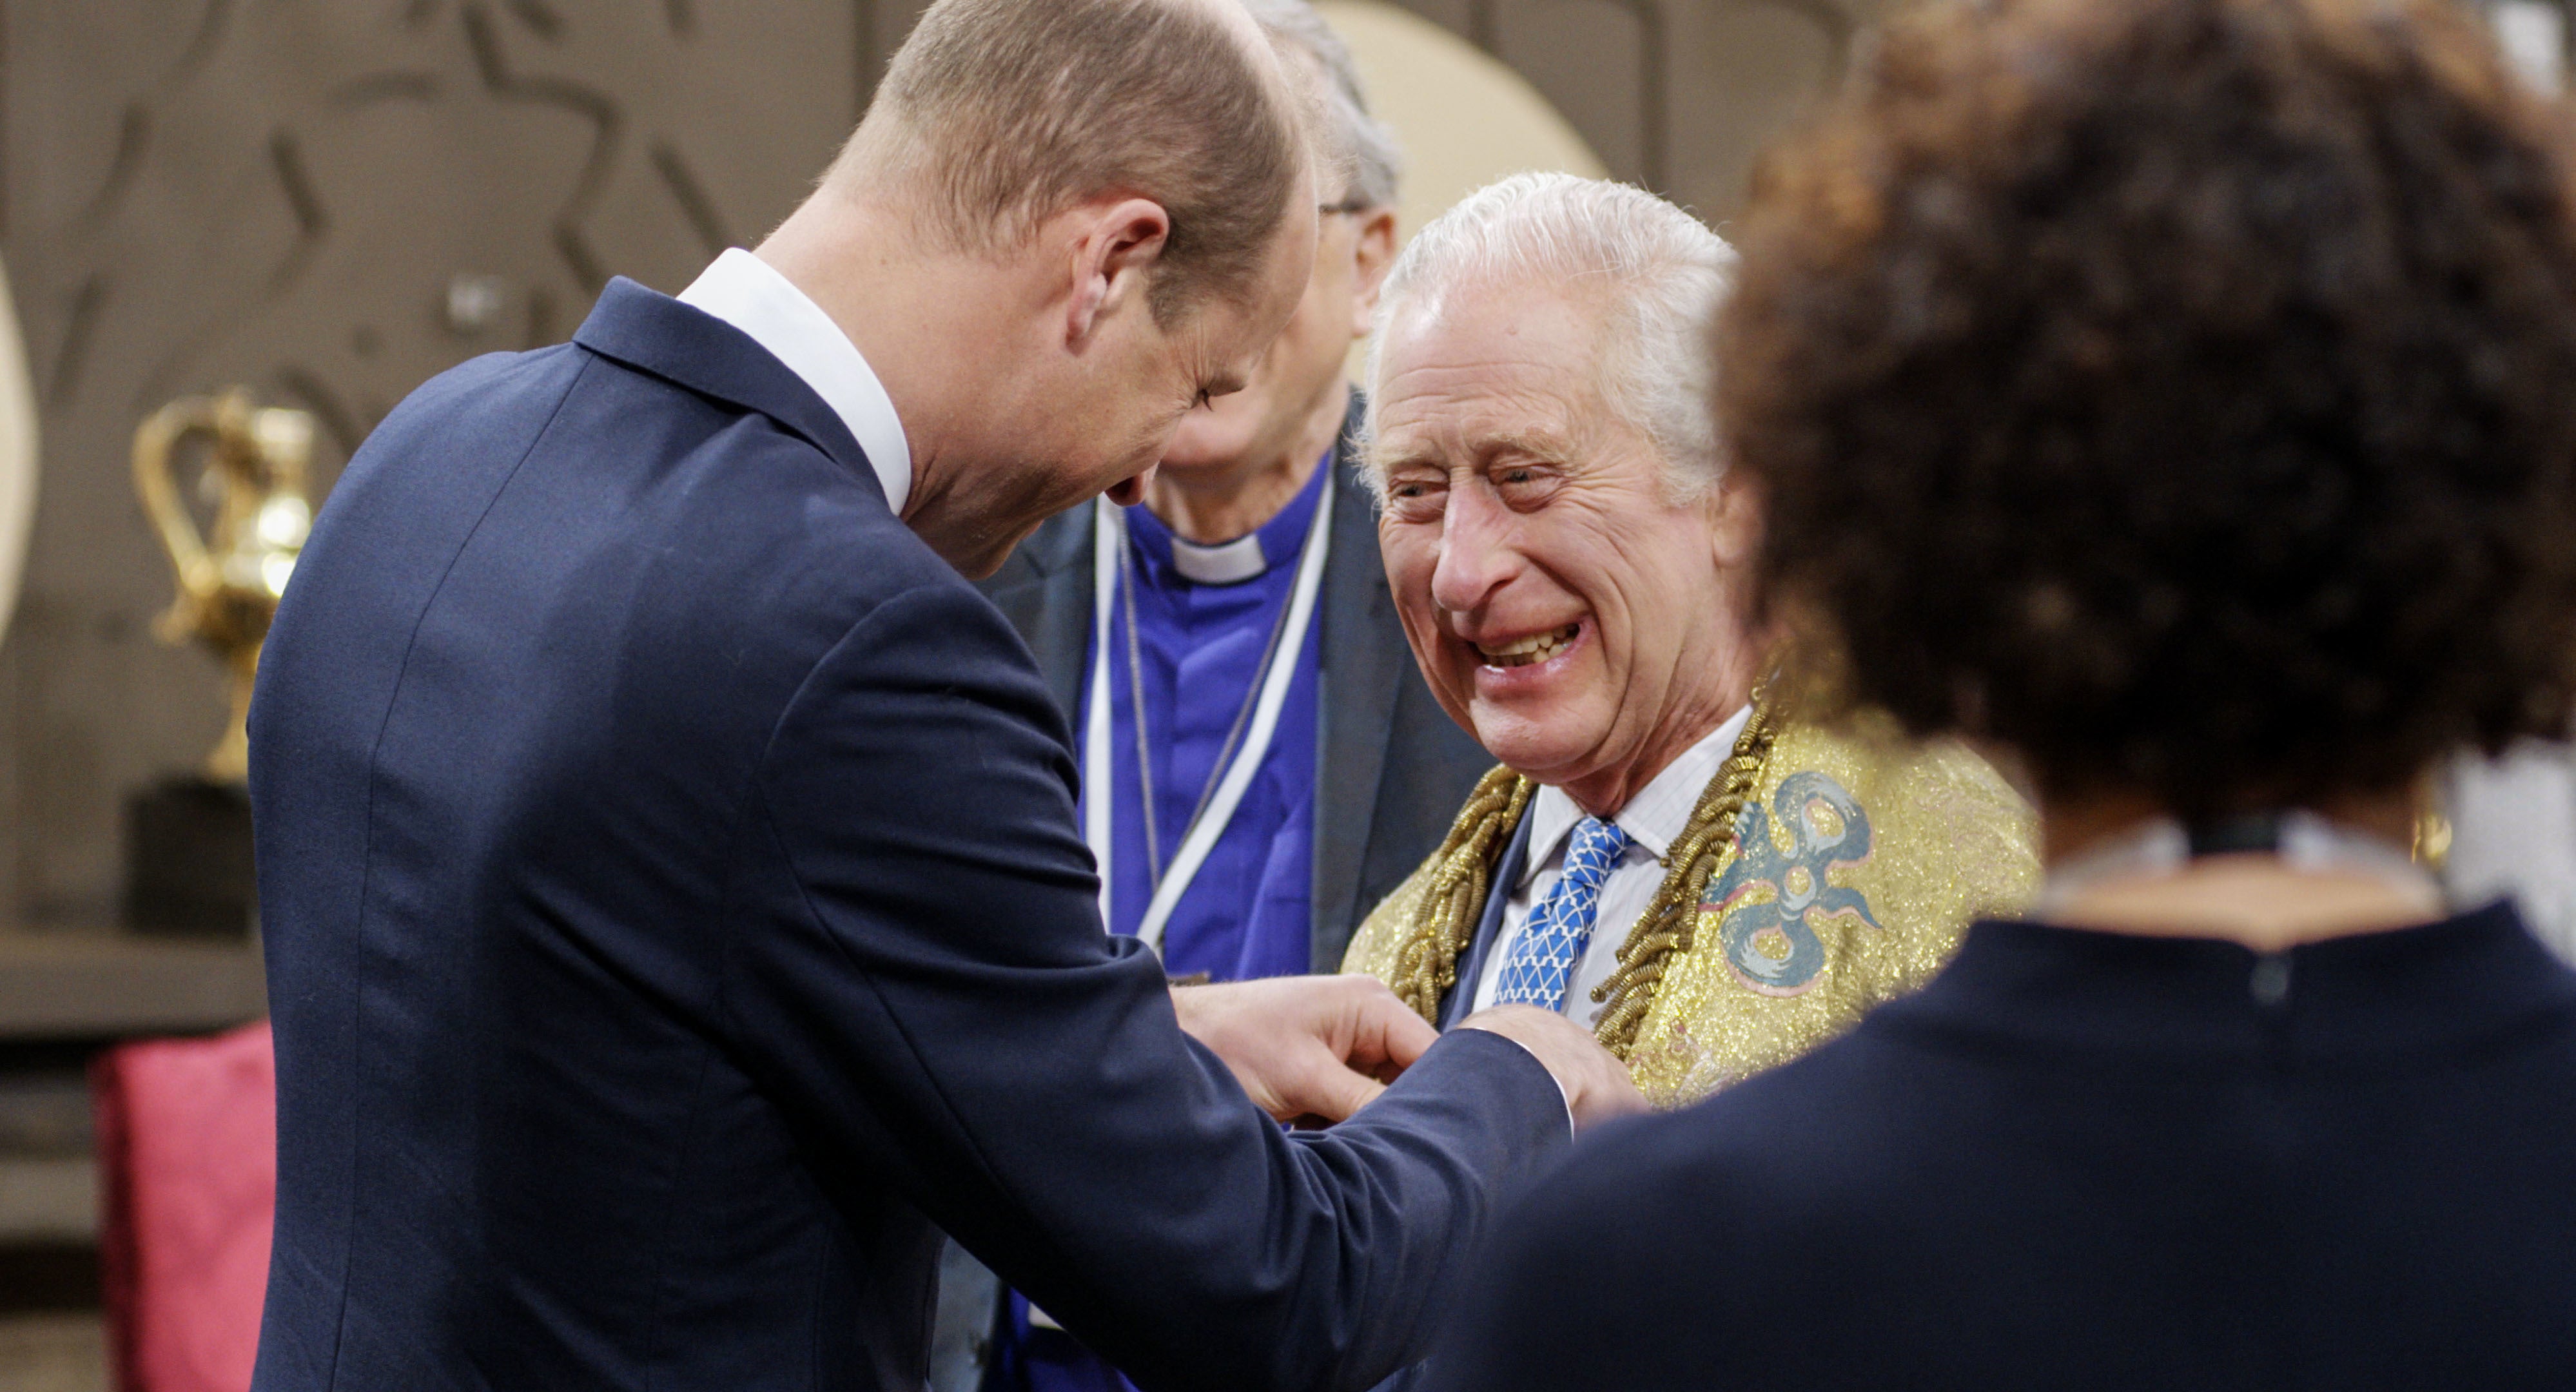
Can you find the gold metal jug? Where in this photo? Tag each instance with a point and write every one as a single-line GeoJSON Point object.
{"type": "Point", "coordinates": [232, 574]}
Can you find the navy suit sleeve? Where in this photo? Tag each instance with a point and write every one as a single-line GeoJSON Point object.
{"type": "Point", "coordinates": [1578, 1286]}
{"type": "Point", "coordinates": [924, 979]}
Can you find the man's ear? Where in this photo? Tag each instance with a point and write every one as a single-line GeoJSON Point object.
{"type": "Point", "coordinates": [1117, 246]}
{"type": "Point", "coordinates": [1375, 256]}
{"type": "Point", "coordinates": [1735, 520]}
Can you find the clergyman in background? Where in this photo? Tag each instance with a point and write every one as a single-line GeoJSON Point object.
{"type": "Point", "coordinates": [1261, 761]}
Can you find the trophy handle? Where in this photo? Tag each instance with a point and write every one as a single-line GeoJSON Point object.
{"type": "Point", "coordinates": [155, 446]}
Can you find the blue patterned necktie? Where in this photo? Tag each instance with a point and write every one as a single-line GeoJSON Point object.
{"type": "Point", "coordinates": [1542, 958]}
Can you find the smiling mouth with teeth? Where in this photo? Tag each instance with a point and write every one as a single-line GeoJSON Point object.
{"type": "Point", "coordinates": [1537, 648]}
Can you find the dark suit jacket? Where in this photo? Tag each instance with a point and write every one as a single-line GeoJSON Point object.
{"type": "Point", "coordinates": [1460, 1002]}
{"type": "Point", "coordinates": [674, 905]}
{"type": "Point", "coordinates": [1391, 768]}
{"type": "Point", "coordinates": [2089, 1160]}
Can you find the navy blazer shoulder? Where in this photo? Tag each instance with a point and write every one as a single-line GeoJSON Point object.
{"type": "Point", "coordinates": [674, 906]}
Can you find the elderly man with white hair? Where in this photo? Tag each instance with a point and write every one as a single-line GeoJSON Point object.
{"type": "Point", "coordinates": [1675, 852]}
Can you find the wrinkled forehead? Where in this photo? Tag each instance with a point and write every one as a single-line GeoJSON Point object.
{"type": "Point", "coordinates": [1482, 366]}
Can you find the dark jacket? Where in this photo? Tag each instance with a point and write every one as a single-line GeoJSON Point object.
{"type": "Point", "coordinates": [674, 906]}
{"type": "Point", "coordinates": [1391, 768]}
{"type": "Point", "coordinates": [2086, 1160]}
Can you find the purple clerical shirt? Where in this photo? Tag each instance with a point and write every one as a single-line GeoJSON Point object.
{"type": "Point", "coordinates": [1248, 912]}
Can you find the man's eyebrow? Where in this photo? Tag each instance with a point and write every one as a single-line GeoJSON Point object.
{"type": "Point", "coordinates": [1387, 461]}
{"type": "Point", "coordinates": [1536, 440]}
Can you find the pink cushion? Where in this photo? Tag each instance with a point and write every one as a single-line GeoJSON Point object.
{"type": "Point", "coordinates": [187, 1153]}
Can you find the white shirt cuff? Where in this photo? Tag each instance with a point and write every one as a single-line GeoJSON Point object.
{"type": "Point", "coordinates": [1561, 1099]}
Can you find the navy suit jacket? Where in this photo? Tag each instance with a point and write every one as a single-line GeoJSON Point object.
{"type": "Point", "coordinates": [674, 906]}
{"type": "Point", "coordinates": [1391, 767]}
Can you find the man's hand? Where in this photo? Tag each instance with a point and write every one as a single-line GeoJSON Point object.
{"type": "Point", "coordinates": [1597, 1086]}
{"type": "Point", "coordinates": [1306, 1046]}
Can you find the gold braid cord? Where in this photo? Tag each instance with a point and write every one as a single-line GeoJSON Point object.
{"type": "Point", "coordinates": [1686, 1004]}
{"type": "Point", "coordinates": [1445, 914]}
{"type": "Point", "coordinates": [1439, 923]}
{"type": "Point", "coordinates": [1665, 929]}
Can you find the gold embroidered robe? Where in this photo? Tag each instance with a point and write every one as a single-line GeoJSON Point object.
{"type": "Point", "coordinates": [1856, 866]}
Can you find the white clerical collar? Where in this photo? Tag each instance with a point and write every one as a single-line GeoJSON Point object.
{"type": "Point", "coordinates": [1655, 817]}
{"type": "Point", "coordinates": [1226, 563]}
{"type": "Point", "coordinates": [750, 294]}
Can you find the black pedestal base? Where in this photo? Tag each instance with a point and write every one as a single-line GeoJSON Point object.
{"type": "Point", "coordinates": [188, 860]}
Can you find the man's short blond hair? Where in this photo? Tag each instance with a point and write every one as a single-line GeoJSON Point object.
{"type": "Point", "coordinates": [1003, 113]}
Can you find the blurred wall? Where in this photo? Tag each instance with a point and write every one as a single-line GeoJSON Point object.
{"type": "Point", "coordinates": [1462, 117]}
{"type": "Point", "coordinates": [330, 200]}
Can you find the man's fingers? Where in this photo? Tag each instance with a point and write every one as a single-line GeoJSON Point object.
{"type": "Point", "coordinates": [1335, 1093]}
{"type": "Point", "coordinates": [1400, 1035]}
{"type": "Point", "coordinates": [1597, 1085]}
{"type": "Point", "coordinates": [1387, 1037]}
{"type": "Point", "coordinates": [1306, 1046]}
{"type": "Point", "coordinates": [1615, 1096]}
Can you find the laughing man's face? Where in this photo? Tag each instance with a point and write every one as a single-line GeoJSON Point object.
{"type": "Point", "coordinates": [1563, 607]}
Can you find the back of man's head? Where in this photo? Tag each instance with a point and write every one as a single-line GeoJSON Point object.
{"type": "Point", "coordinates": [998, 114]}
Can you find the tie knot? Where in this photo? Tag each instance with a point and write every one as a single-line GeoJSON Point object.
{"type": "Point", "coordinates": [1541, 960]}
{"type": "Point", "coordinates": [1595, 848]}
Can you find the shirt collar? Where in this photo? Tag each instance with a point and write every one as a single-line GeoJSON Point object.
{"type": "Point", "coordinates": [1655, 817]}
{"type": "Point", "coordinates": [748, 293]}
{"type": "Point", "coordinates": [1247, 557]}
{"type": "Point", "coordinates": [1226, 563]}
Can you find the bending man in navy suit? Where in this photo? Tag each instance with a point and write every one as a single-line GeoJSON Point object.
{"type": "Point", "coordinates": [673, 894]}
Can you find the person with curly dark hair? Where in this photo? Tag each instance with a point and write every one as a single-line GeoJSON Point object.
{"type": "Point", "coordinates": [2178, 396]}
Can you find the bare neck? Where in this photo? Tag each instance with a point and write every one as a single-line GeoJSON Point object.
{"type": "Point", "coordinates": [1220, 503]}
{"type": "Point", "coordinates": [2261, 901]}
{"type": "Point", "coordinates": [917, 316]}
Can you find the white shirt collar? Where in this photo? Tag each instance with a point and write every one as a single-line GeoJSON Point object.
{"type": "Point", "coordinates": [1654, 818]}
{"type": "Point", "coordinates": [750, 294]}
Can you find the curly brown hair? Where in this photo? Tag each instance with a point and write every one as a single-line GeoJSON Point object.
{"type": "Point", "coordinates": [2182, 392]}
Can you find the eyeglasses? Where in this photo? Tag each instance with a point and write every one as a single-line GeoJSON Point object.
{"type": "Point", "coordinates": [1352, 206]}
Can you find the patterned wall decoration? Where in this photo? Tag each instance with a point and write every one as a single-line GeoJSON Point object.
{"type": "Point", "coordinates": [332, 200]}
{"type": "Point", "coordinates": [1676, 95]}
{"type": "Point", "coordinates": [329, 201]}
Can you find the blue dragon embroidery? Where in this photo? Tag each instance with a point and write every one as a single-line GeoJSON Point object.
{"type": "Point", "coordinates": [1773, 946]}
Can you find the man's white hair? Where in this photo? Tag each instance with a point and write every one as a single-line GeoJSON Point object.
{"type": "Point", "coordinates": [1363, 154]}
{"type": "Point", "coordinates": [1663, 271]}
